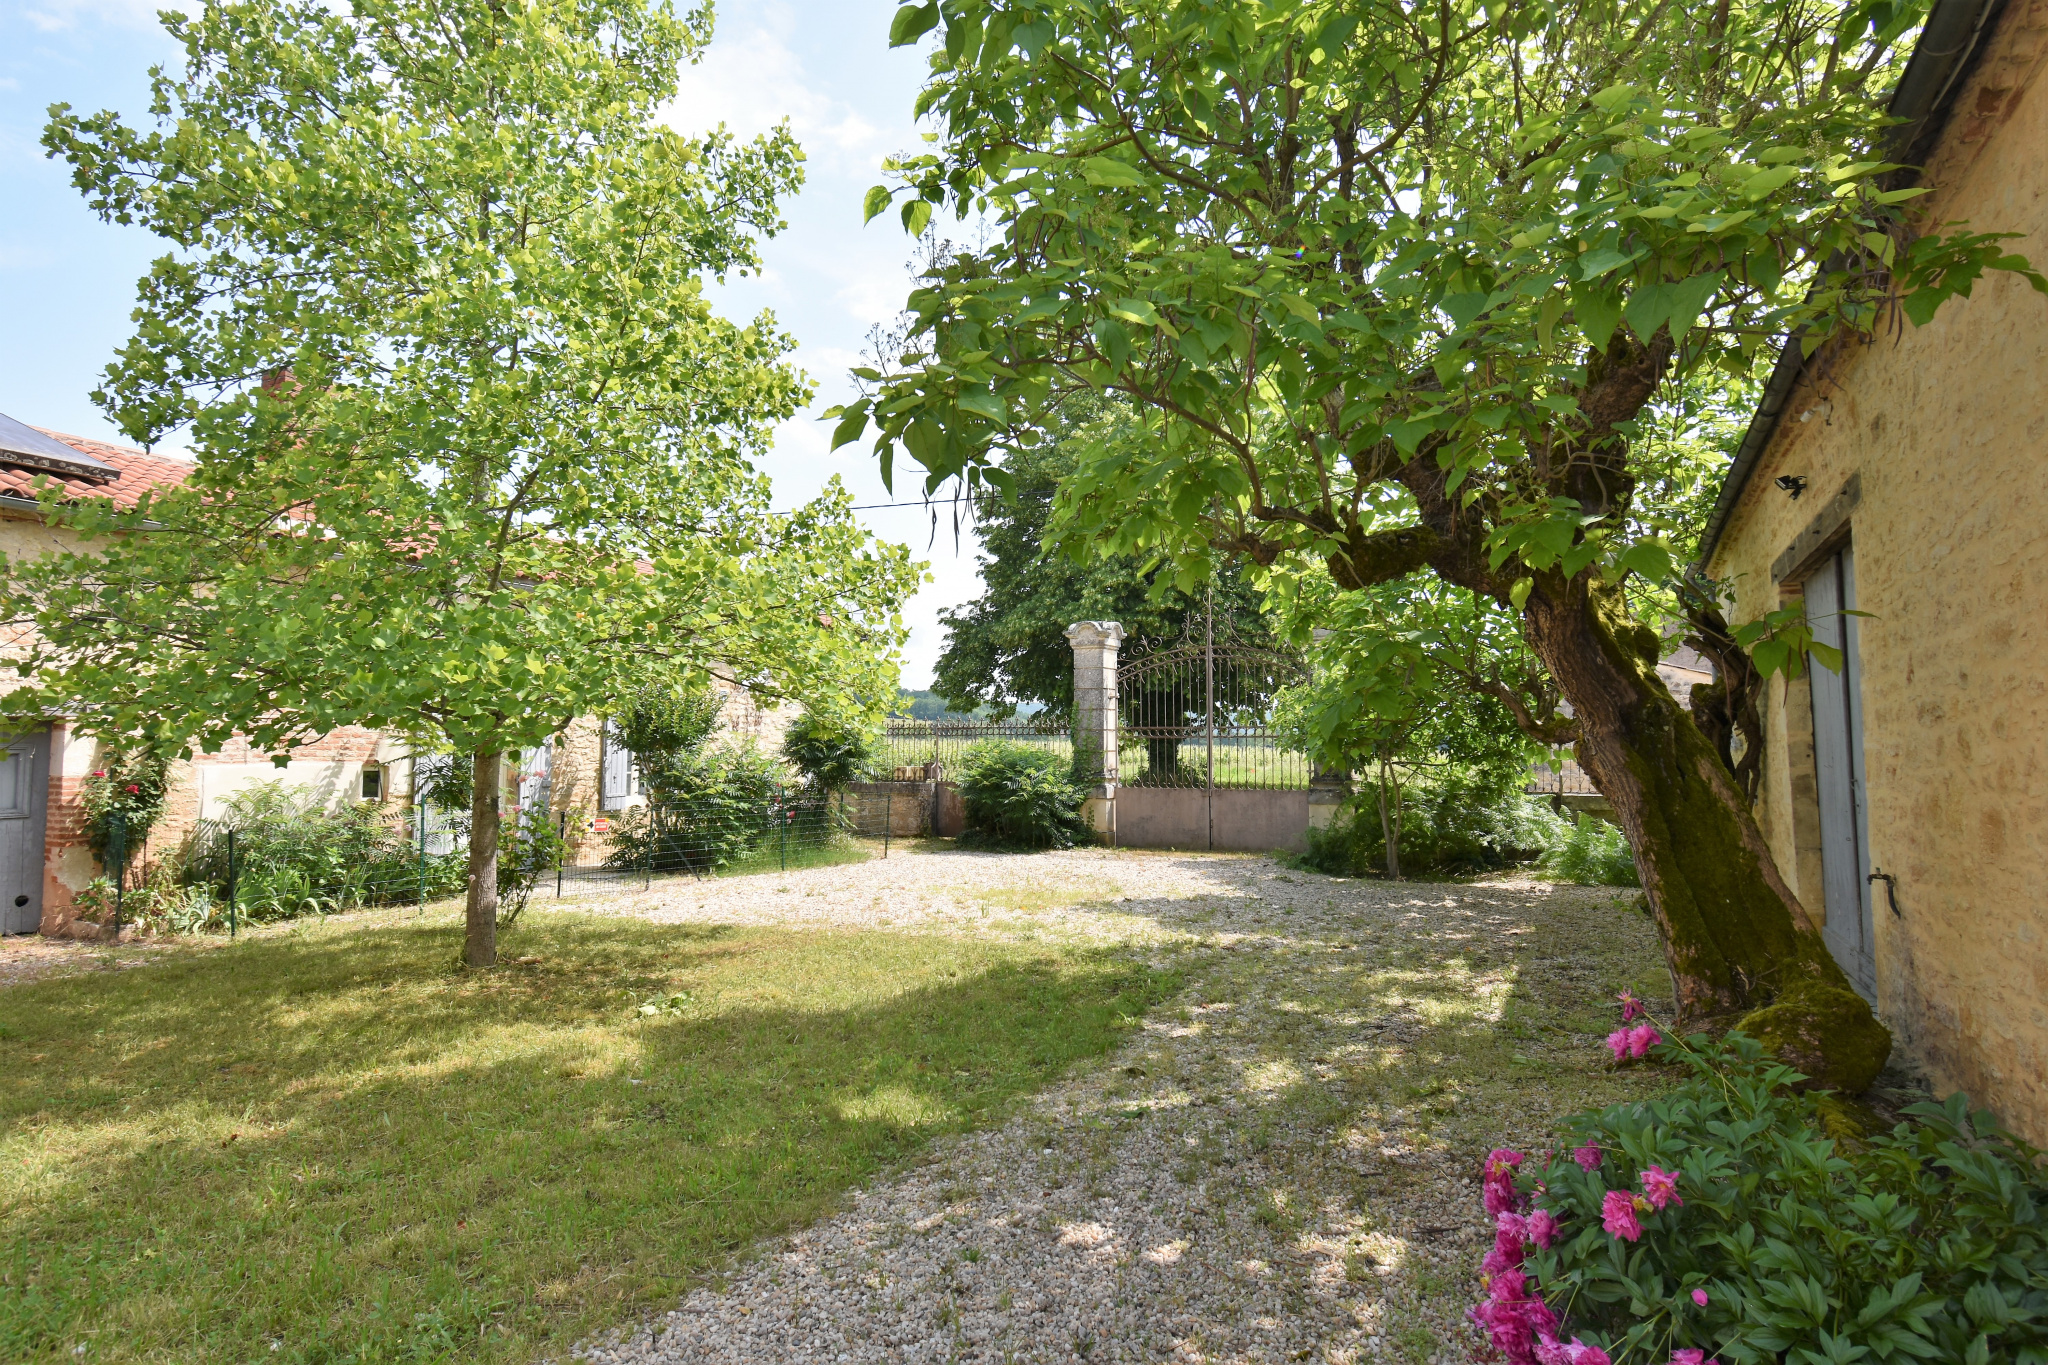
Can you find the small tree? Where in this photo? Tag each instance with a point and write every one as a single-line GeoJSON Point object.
{"type": "Point", "coordinates": [473, 449]}
{"type": "Point", "coordinates": [830, 752]}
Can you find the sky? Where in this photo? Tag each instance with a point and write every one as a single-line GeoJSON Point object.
{"type": "Point", "coordinates": [67, 280]}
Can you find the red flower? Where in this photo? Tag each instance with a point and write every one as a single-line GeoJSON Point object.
{"type": "Point", "coordinates": [132, 789]}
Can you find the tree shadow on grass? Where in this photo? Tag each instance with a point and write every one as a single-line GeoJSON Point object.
{"type": "Point", "coordinates": [342, 1144]}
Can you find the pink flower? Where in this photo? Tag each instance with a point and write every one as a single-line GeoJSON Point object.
{"type": "Point", "coordinates": [1699, 1296]}
{"type": "Point", "coordinates": [1514, 1323]}
{"type": "Point", "coordinates": [1618, 1214]}
{"type": "Point", "coordinates": [1630, 1006]}
{"type": "Point", "coordinates": [1552, 1352]}
{"type": "Point", "coordinates": [1691, 1355]}
{"type": "Point", "coordinates": [1510, 1244]}
{"type": "Point", "coordinates": [99, 772]}
{"type": "Point", "coordinates": [1641, 1039]}
{"type": "Point", "coordinates": [1587, 1156]}
{"type": "Point", "coordinates": [1542, 1228]}
{"type": "Point", "coordinates": [1661, 1186]}
{"type": "Point", "coordinates": [1617, 1041]}
{"type": "Point", "coordinates": [1500, 1180]}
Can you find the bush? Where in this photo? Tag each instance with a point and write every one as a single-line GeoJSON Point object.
{"type": "Point", "coordinates": [1722, 1221]}
{"type": "Point", "coordinates": [1592, 852]}
{"type": "Point", "coordinates": [712, 809]}
{"type": "Point", "coordinates": [1018, 794]}
{"type": "Point", "coordinates": [132, 786]}
{"type": "Point", "coordinates": [292, 856]}
{"type": "Point", "coordinates": [1465, 821]}
{"type": "Point", "coordinates": [529, 850]}
{"type": "Point", "coordinates": [829, 754]}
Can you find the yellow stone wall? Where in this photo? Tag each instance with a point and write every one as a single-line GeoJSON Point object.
{"type": "Point", "coordinates": [1945, 429]}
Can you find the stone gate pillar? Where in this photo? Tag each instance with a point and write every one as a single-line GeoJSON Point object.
{"type": "Point", "coordinates": [1095, 645]}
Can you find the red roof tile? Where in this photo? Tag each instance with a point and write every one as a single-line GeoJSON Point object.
{"type": "Point", "coordinates": [140, 472]}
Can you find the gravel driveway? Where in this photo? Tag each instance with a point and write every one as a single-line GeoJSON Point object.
{"type": "Point", "coordinates": [1278, 1166]}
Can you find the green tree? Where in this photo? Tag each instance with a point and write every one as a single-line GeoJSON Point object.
{"type": "Point", "coordinates": [1454, 251]}
{"type": "Point", "coordinates": [473, 448]}
{"type": "Point", "coordinates": [1009, 646]}
{"type": "Point", "coordinates": [1410, 677]}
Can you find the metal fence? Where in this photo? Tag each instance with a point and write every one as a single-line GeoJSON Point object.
{"type": "Point", "coordinates": [918, 744]}
{"type": "Point", "coordinates": [1201, 715]}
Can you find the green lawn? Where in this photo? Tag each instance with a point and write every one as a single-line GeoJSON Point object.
{"type": "Point", "coordinates": [333, 1145]}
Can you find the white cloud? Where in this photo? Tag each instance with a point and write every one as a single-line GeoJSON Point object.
{"type": "Point", "coordinates": [750, 80]}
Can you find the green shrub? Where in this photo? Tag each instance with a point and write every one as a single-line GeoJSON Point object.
{"type": "Point", "coordinates": [1592, 852]}
{"type": "Point", "coordinates": [1465, 821]}
{"type": "Point", "coordinates": [712, 809]}
{"type": "Point", "coordinates": [1722, 1221]}
{"type": "Point", "coordinates": [829, 754]}
{"type": "Point", "coordinates": [529, 850]}
{"type": "Point", "coordinates": [1019, 794]}
{"type": "Point", "coordinates": [130, 786]}
{"type": "Point", "coordinates": [291, 856]}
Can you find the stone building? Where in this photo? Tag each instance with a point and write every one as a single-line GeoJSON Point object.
{"type": "Point", "coordinates": [1905, 476]}
{"type": "Point", "coordinates": [44, 858]}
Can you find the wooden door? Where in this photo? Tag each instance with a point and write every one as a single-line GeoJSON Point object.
{"type": "Point", "coordinates": [24, 784]}
{"type": "Point", "coordinates": [1839, 773]}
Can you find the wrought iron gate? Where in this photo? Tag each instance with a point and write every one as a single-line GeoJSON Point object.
{"type": "Point", "coordinates": [1201, 715]}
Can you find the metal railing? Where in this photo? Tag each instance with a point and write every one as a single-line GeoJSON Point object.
{"type": "Point", "coordinates": [912, 745]}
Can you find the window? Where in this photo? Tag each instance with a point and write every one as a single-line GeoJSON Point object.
{"type": "Point", "coordinates": [373, 782]}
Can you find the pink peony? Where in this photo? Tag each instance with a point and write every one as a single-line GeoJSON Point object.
{"type": "Point", "coordinates": [1630, 1006]}
{"type": "Point", "coordinates": [1699, 1296]}
{"type": "Point", "coordinates": [1661, 1186]}
{"type": "Point", "coordinates": [1618, 1214]}
{"type": "Point", "coordinates": [1617, 1042]}
{"type": "Point", "coordinates": [1553, 1352]}
{"type": "Point", "coordinates": [1542, 1228]}
{"type": "Point", "coordinates": [1510, 1243]}
{"type": "Point", "coordinates": [1641, 1039]}
{"type": "Point", "coordinates": [1587, 1156]}
{"type": "Point", "coordinates": [1514, 1325]}
{"type": "Point", "coordinates": [1691, 1355]}
{"type": "Point", "coordinates": [1499, 1173]}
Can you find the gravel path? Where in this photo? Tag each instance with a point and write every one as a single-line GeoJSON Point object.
{"type": "Point", "coordinates": [1279, 1166]}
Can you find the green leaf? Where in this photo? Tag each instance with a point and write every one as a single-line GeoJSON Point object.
{"type": "Point", "coordinates": [1463, 308]}
{"type": "Point", "coordinates": [985, 404]}
{"type": "Point", "coordinates": [913, 22]}
{"type": "Point", "coordinates": [877, 199]}
{"type": "Point", "coordinates": [1598, 313]}
{"type": "Point", "coordinates": [1108, 172]}
{"type": "Point", "coordinates": [917, 215]}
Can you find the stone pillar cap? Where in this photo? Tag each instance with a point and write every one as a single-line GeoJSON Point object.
{"type": "Point", "coordinates": [1094, 633]}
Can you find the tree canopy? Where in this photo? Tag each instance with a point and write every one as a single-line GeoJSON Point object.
{"type": "Point", "coordinates": [1009, 646]}
{"type": "Point", "coordinates": [1397, 287]}
{"type": "Point", "coordinates": [474, 449]}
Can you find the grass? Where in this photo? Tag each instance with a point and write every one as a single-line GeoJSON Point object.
{"type": "Point", "coordinates": [333, 1145]}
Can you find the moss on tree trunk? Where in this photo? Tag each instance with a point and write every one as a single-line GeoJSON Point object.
{"type": "Point", "coordinates": [1741, 948]}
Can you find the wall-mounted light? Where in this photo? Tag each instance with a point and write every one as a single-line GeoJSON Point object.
{"type": "Point", "coordinates": [1795, 484]}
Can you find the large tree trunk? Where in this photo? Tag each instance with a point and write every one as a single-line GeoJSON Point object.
{"type": "Point", "coordinates": [480, 920]}
{"type": "Point", "coordinates": [1740, 946]}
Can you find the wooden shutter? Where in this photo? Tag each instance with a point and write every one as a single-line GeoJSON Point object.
{"type": "Point", "coordinates": [615, 780]}
{"type": "Point", "coordinates": [1839, 774]}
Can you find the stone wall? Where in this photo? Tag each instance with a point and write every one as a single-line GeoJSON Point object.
{"type": "Point", "coordinates": [904, 809]}
{"type": "Point", "coordinates": [1944, 430]}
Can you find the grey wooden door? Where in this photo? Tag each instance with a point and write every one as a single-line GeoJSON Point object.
{"type": "Point", "coordinates": [24, 784]}
{"type": "Point", "coordinates": [1839, 772]}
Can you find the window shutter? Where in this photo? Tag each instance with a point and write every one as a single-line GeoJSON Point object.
{"type": "Point", "coordinates": [615, 780]}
